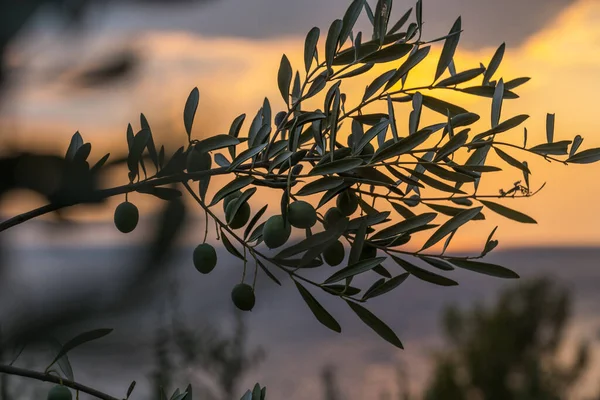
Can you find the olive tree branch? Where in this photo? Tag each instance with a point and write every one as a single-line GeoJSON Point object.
{"type": "Point", "coordinates": [10, 370]}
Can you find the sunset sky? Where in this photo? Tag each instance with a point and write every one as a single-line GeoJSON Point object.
{"type": "Point", "coordinates": [231, 49]}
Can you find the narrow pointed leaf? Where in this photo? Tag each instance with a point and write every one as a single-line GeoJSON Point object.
{"type": "Point", "coordinates": [508, 212]}
{"type": "Point", "coordinates": [189, 112]}
{"type": "Point", "coordinates": [375, 323]}
{"type": "Point", "coordinates": [485, 268]}
{"type": "Point", "coordinates": [310, 47]}
{"type": "Point", "coordinates": [318, 310]}
{"type": "Point", "coordinates": [449, 49]}
{"type": "Point", "coordinates": [451, 225]}
{"type": "Point", "coordinates": [284, 78]}
{"type": "Point", "coordinates": [423, 274]}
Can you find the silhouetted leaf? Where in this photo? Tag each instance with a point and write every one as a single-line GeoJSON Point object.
{"type": "Point", "coordinates": [497, 103]}
{"type": "Point", "coordinates": [387, 54]}
{"type": "Point", "coordinates": [514, 83]}
{"type": "Point", "coordinates": [488, 91]}
{"type": "Point", "coordinates": [349, 19]}
{"type": "Point", "coordinates": [230, 247]}
{"type": "Point", "coordinates": [555, 148]}
{"type": "Point", "coordinates": [267, 272]}
{"type": "Point", "coordinates": [236, 184]}
{"type": "Point", "coordinates": [320, 185]}
{"type": "Point", "coordinates": [451, 225]}
{"type": "Point", "coordinates": [550, 127]}
{"type": "Point", "coordinates": [189, 112]}
{"type": "Point", "coordinates": [336, 167]}
{"type": "Point", "coordinates": [423, 274]}
{"type": "Point", "coordinates": [76, 143]}
{"type": "Point", "coordinates": [79, 340]}
{"type": "Point", "coordinates": [585, 157]}
{"type": "Point", "coordinates": [461, 77]}
{"type": "Point", "coordinates": [246, 155]}
{"type": "Point", "coordinates": [437, 263]}
{"type": "Point", "coordinates": [456, 142]}
{"type": "Point", "coordinates": [508, 212]}
{"type": "Point", "coordinates": [511, 160]}
{"type": "Point", "coordinates": [449, 48]}
{"type": "Point", "coordinates": [450, 211]}
{"type": "Point", "coordinates": [284, 79]}
{"type": "Point", "coordinates": [331, 43]}
{"type": "Point", "coordinates": [402, 146]}
{"type": "Point", "coordinates": [442, 107]}
{"type": "Point", "coordinates": [404, 226]}
{"type": "Point", "coordinates": [355, 72]}
{"type": "Point", "coordinates": [377, 84]}
{"type": "Point", "coordinates": [411, 62]}
{"type": "Point", "coordinates": [375, 323]}
{"type": "Point", "coordinates": [494, 64]}
{"type": "Point", "coordinates": [217, 142]}
{"type": "Point", "coordinates": [355, 269]}
{"type": "Point", "coordinates": [485, 268]}
{"type": "Point", "coordinates": [504, 126]}
{"type": "Point", "coordinates": [575, 146]}
{"type": "Point", "coordinates": [238, 203]}
{"type": "Point", "coordinates": [310, 47]}
{"type": "Point", "coordinates": [385, 287]}
{"type": "Point", "coordinates": [317, 309]}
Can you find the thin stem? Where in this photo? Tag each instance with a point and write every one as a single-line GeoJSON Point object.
{"type": "Point", "coordinates": [10, 370]}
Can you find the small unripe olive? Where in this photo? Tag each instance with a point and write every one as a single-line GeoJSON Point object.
{"type": "Point", "coordinates": [241, 216]}
{"type": "Point", "coordinates": [368, 150]}
{"type": "Point", "coordinates": [302, 215]}
{"type": "Point", "coordinates": [198, 160]}
{"type": "Point", "coordinates": [276, 232]}
{"type": "Point", "coordinates": [205, 258]}
{"type": "Point", "coordinates": [126, 217]}
{"type": "Point", "coordinates": [332, 217]}
{"type": "Point", "coordinates": [59, 392]}
{"type": "Point", "coordinates": [347, 202]}
{"type": "Point", "coordinates": [243, 296]}
{"type": "Point", "coordinates": [334, 254]}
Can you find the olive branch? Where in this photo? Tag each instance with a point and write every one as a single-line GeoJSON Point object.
{"type": "Point", "coordinates": [388, 183]}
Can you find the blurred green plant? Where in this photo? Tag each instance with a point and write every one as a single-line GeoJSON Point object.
{"type": "Point", "coordinates": [510, 350]}
{"type": "Point", "coordinates": [380, 169]}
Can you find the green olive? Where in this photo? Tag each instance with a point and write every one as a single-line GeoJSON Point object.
{"type": "Point", "coordinates": [276, 232]}
{"type": "Point", "coordinates": [243, 296]}
{"type": "Point", "coordinates": [302, 215]}
{"type": "Point", "coordinates": [205, 258]}
{"type": "Point", "coordinates": [126, 217]}
{"type": "Point", "coordinates": [59, 392]}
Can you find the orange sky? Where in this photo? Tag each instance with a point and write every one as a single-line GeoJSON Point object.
{"type": "Point", "coordinates": [234, 75]}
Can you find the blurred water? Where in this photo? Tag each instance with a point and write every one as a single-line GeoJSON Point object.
{"type": "Point", "coordinates": [297, 345]}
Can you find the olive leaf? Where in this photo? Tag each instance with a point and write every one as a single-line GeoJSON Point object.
{"type": "Point", "coordinates": [318, 310]}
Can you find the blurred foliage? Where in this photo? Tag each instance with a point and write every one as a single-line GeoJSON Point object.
{"type": "Point", "coordinates": [510, 350]}
{"type": "Point", "coordinates": [183, 352]}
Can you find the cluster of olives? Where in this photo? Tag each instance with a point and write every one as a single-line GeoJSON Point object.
{"type": "Point", "coordinates": [59, 392]}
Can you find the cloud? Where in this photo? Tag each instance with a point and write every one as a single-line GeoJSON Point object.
{"type": "Point", "coordinates": [486, 22]}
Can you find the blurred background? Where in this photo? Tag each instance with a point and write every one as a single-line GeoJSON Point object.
{"type": "Point", "coordinates": [94, 65]}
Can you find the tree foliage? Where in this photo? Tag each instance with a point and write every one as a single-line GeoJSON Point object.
{"type": "Point", "coordinates": [509, 350]}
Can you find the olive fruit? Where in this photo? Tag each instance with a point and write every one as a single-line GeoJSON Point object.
{"type": "Point", "coordinates": [347, 202]}
{"type": "Point", "coordinates": [332, 217]}
{"type": "Point", "coordinates": [59, 392]}
{"type": "Point", "coordinates": [302, 215]}
{"type": "Point", "coordinates": [241, 217]}
{"type": "Point", "coordinates": [126, 217]}
{"type": "Point", "coordinates": [334, 254]}
{"type": "Point", "coordinates": [368, 150]}
{"type": "Point", "coordinates": [205, 258]}
{"type": "Point", "coordinates": [276, 232]}
{"type": "Point", "coordinates": [243, 296]}
{"type": "Point", "coordinates": [198, 160]}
